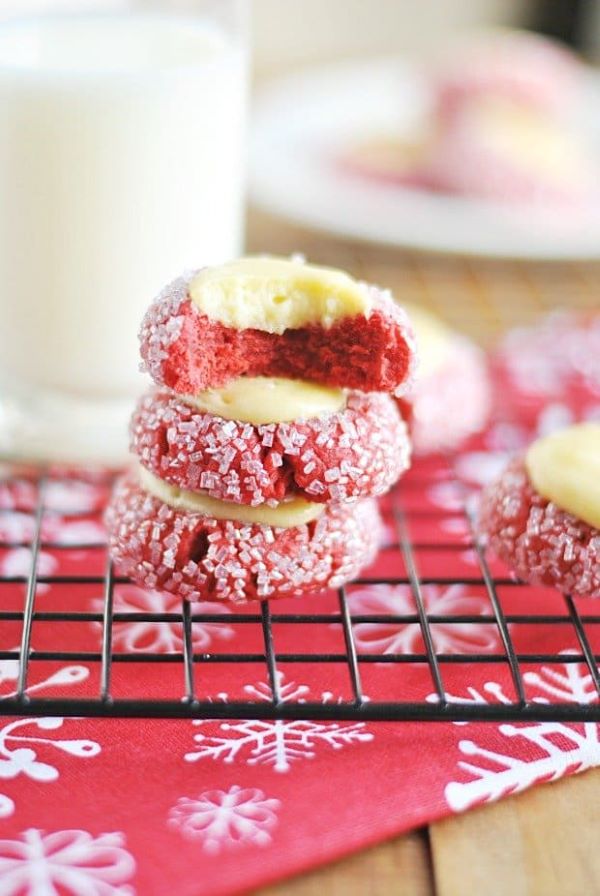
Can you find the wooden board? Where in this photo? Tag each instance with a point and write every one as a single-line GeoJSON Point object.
{"type": "Point", "coordinates": [401, 866]}
{"type": "Point", "coordinates": [540, 843]}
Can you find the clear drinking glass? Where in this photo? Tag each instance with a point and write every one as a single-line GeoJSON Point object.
{"type": "Point", "coordinates": [122, 148]}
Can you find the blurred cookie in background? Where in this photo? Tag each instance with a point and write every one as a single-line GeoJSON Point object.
{"type": "Point", "coordinates": [505, 123]}
{"type": "Point", "coordinates": [548, 374]}
{"type": "Point", "coordinates": [502, 122]}
{"type": "Point", "coordinates": [451, 397]}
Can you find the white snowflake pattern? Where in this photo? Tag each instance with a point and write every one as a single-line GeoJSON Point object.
{"type": "Point", "coordinates": [389, 535]}
{"type": "Point", "coordinates": [66, 531]}
{"type": "Point", "coordinates": [65, 863]}
{"type": "Point", "coordinates": [17, 562]}
{"type": "Point", "coordinates": [446, 495]}
{"type": "Point", "coordinates": [456, 525]}
{"type": "Point", "coordinates": [16, 493]}
{"type": "Point", "coordinates": [63, 495]}
{"type": "Point", "coordinates": [404, 638]}
{"type": "Point", "coordinates": [225, 819]}
{"type": "Point", "coordinates": [19, 747]}
{"type": "Point", "coordinates": [274, 742]}
{"type": "Point", "coordinates": [16, 526]}
{"type": "Point", "coordinates": [161, 637]}
{"type": "Point", "coordinates": [20, 527]}
{"type": "Point", "coordinates": [72, 496]}
{"type": "Point", "coordinates": [481, 467]}
{"type": "Point", "coordinates": [536, 752]}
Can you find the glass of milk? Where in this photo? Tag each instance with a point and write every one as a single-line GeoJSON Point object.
{"type": "Point", "coordinates": [122, 149]}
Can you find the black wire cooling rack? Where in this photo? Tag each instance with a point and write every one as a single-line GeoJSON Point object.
{"type": "Point", "coordinates": [438, 706]}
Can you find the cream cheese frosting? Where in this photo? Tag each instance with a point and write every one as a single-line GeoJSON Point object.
{"type": "Point", "coordinates": [290, 513]}
{"type": "Point", "coordinates": [261, 400]}
{"type": "Point", "coordinates": [277, 294]}
{"type": "Point", "coordinates": [565, 468]}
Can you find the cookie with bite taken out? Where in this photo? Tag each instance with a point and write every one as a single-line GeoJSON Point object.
{"type": "Point", "coordinates": [276, 318]}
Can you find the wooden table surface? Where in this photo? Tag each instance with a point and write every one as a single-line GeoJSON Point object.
{"type": "Point", "coordinates": [543, 842]}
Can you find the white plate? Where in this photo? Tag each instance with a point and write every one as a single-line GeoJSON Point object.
{"type": "Point", "coordinates": [302, 123]}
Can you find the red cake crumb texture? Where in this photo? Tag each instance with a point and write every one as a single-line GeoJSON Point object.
{"type": "Point", "coordinates": [187, 352]}
{"type": "Point", "coordinates": [451, 403]}
{"type": "Point", "coordinates": [201, 558]}
{"type": "Point", "coordinates": [542, 543]}
{"type": "Point", "coordinates": [554, 362]}
{"type": "Point", "coordinates": [357, 452]}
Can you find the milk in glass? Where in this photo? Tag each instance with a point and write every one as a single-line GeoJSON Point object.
{"type": "Point", "coordinates": [121, 165]}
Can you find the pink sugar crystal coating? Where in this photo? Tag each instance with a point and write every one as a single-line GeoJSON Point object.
{"type": "Point", "coordinates": [201, 558]}
{"type": "Point", "coordinates": [451, 403]}
{"type": "Point", "coordinates": [356, 452]}
{"type": "Point", "coordinates": [544, 544]}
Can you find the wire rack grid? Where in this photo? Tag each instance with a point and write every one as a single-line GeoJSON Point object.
{"type": "Point", "coordinates": [190, 664]}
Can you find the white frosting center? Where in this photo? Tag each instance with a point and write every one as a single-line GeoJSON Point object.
{"type": "Point", "coordinates": [290, 513]}
{"type": "Point", "coordinates": [565, 468]}
{"type": "Point", "coordinates": [260, 399]}
{"type": "Point", "coordinates": [277, 294]}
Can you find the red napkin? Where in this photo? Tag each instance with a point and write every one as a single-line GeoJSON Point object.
{"type": "Point", "coordinates": [108, 806]}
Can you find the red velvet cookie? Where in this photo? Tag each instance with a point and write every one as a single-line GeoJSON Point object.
{"type": "Point", "coordinates": [466, 160]}
{"type": "Point", "coordinates": [542, 543]}
{"type": "Point", "coordinates": [201, 558]}
{"type": "Point", "coordinates": [501, 126]}
{"type": "Point", "coordinates": [525, 68]}
{"type": "Point", "coordinates": [553, 364]}
{"type": "Point", "coordinates": [188, 352]}
{"type": "Point", "coordinates": [451, 402]}
{"type": "Point", "coordinates": [356, 452]}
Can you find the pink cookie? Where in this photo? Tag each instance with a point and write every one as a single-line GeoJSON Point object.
{"type": "Point", "coordinates": [543, 544]}
{"type": "Point", "coordinates": [502, 126]}
{"type": "Point", "coordinates": [526, 68]}
{"type": "Point", "coordinates": [450, 403]}
{"type": "Point", "coordinates": [554, 364]}
{"type": "Point", "coordinates": [186, 351]}
{"type": "Point", "coordinates": [201, 558]}
{"type": "Point", "coordinates": [465, 160]}
{"type": "Point", "coordinates": [357, 452]}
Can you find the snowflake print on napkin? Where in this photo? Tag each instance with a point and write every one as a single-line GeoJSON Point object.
{"type": "Point", "coordinates": [24, 741]}
{"type": "Point", "coordinates": [273, 742]}
{"type": "Point", "coordinates": [406, 638]}
{"type": "Point", "coordinates": [70, 863]}
{"type": "Point", "coordinates": [222, 819]}
{"type": "Point", "coordinates": [532, 752]}
{"type": "Point", "coordinates": [161, 637]}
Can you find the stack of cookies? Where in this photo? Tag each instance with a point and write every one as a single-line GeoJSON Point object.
{"type": "Point", "coordinates": [272, 428]}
